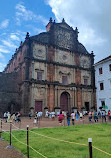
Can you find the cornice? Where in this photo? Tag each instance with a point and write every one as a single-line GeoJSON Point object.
{"type": "Point", "coordinates": [56, 83]}
{"type": "Point", "coordinates": [61, 64]}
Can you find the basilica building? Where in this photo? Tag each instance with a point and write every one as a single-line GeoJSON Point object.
{"type": "Point", "coordinates": [53, 70]}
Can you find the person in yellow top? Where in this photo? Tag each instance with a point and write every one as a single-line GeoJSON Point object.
{"type": "Point", "coordinates": [9, 117]}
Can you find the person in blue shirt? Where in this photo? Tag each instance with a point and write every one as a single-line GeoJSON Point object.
{"type": "Point", "coordinates": [95, 117]}
{"type": "Point", "coordinates": [68, 119]}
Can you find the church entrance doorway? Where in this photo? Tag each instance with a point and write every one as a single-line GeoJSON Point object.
{"type": "Point", "coordinates": [65, 102]}
{"type": "Point", "coordinates": [87, 106]}
{"type": "Point", "coordinates": [38, 106]}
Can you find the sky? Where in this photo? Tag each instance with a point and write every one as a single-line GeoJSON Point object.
{"type": "Point", "coordinates": [91, 17]}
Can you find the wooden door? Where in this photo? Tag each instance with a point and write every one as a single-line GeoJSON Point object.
{"type": "Point", "coordinates": [38, 106]}
{"type": "Point", "coordinates": [64, 102]}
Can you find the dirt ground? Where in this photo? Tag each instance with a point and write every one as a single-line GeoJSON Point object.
{"type": "Point", "coordinates": [9, 153]}
{"type": "Point", "coordinates": [44, 122]}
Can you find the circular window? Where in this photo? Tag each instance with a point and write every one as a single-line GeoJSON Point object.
{"type": "Point", "coordinates": [64, 57]}
{"type": "Point", "coordinates": [39, 52]}
{"type": "Point", "coordinates": [85, 61]}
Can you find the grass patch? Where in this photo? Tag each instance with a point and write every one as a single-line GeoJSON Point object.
{"type": "Point", "coordinates": [100, 134]}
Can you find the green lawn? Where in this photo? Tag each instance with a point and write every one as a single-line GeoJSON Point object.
{"type": "Point", "coordinates": [100, 134]}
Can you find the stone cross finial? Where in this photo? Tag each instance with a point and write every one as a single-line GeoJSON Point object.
{"type": "Point", "coordinates": [27, 35]}
{"type": "Point", "coordinates": [63, 20]}
{"type": "Point", "coordinates": [92, 53]}
{"type": "Point", "coordinates": [76, 30]}
{"type": "Point", "coordinates": [21, 43]}
{"type": "Point", "coordinates": [50, 20]}
{"type": "Point", "coordinates": [16, 50]}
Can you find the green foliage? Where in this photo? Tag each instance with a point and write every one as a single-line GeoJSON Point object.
{"type": "Point", "coordinates": [51, 148]}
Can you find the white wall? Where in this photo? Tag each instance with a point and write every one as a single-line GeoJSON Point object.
{"type": "Point", "coordinates": [103, 95]}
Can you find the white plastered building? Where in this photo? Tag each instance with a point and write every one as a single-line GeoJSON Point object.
{"type": "Point", "coordinates": [103, 83]}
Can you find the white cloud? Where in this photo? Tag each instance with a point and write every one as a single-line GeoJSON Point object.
{"type": "Point", "coordinates": [9, 44]}
{"type": "Point", "coordinates": [3, 34]}
{"type": "Point", "coordinates": [4, 24]}
{"type": "Point", "coordinates": [23, 14]}
{"type": "Point", "coordinates": [92, 17]}
{"type": "Point", "coordinates": [89, 37]}
{"type": "Point", "coordinates": [1, 56]}
{"type": "Point", "coordinates": [14, 37]}
{"type": "Point", "coordinates": [3, 49]}
{"type": "Point", "coordinates": [34, 29]}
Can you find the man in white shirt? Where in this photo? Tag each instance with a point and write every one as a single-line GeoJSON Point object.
{"type": "Point", "coordinates": [73, 117]}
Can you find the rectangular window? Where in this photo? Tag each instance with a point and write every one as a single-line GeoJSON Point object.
{"type": "Point", "coordinates": [85, 81]}
{"type": "Point", "coordinates": [102, 103]}
{"type": "Point", "coordinates": [110, 67]}
{"type": "Point", "coordinates": [100, 70]}
{"type": "Point", "coordinates": [64, 80]}
{"type": "Point", "coordinates": [39, 75]}
{"type": "Point", "coordinates": [101, 86]}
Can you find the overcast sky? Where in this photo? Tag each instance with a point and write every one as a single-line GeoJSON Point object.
{"type": "Point", "coordinates": [92, 17]}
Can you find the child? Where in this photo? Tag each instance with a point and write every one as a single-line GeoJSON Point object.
{"type": "Point", "coordinates": [36, 118]}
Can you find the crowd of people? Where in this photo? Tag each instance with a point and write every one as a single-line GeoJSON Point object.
{"type": "Point", "coordinates": [93, 116]}
{"type": "Point", "coordinates": [71, 117]}
{"type": "Point", "coordinates": [101, 114]}
{"type": "Point", "coordinates": [8, 117]}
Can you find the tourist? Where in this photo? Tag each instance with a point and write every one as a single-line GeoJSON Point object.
{"type": "Point", "coordinates": [103, 115]}
{"type": "Point", "coordinates": [68, 119]}
{"type": "Point", "coordinates": [108, 114]}
{"type": "Point", "coordinates": [73, 117]}
{"type": "Point", "coordinates": [53, 115]}
{"type": "Point", "coordinates": [60, 118]}
{"type": "Point", "coordinates": [36, 119]}
{"type": "Point", "coordinates": [99, 114]}
{"type": "Point", "coordinates": [5, 116]}
{"type": "Point", "coordinates": [13, 117]}
{"type": "Point", "coordinates": [58, 113]}
{"type": "Point", "coordinates": [95, 117]}
{"type": "Point", "coordinates": [77, 115]}
{"type": "Point", "coordinates": [50, 115]}
{"type": "Point", "coordinates": [90, 116]}
{"type": "Point", "coordinates": [46, 114]}
{"type": "Point", "coordinates": [9, 117]}
{"type": "Point", "coordinates": [30, 115]}
{"type": "Point", "coordinates": [81, 115]}
{"type": "Point", "coordinates": [18, 117]}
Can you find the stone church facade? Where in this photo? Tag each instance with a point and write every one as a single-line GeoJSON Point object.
{"type": "Point", "coordinates": [54, 71]}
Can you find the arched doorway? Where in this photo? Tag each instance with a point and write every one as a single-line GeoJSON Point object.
{"type": "Point", "coordinates": [65, 102]}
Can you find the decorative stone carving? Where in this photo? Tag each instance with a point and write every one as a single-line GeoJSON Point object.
{"type": "Point", "coordinates": [39, 51]}
{"type": "Point", "coordinates": [85, 62]}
